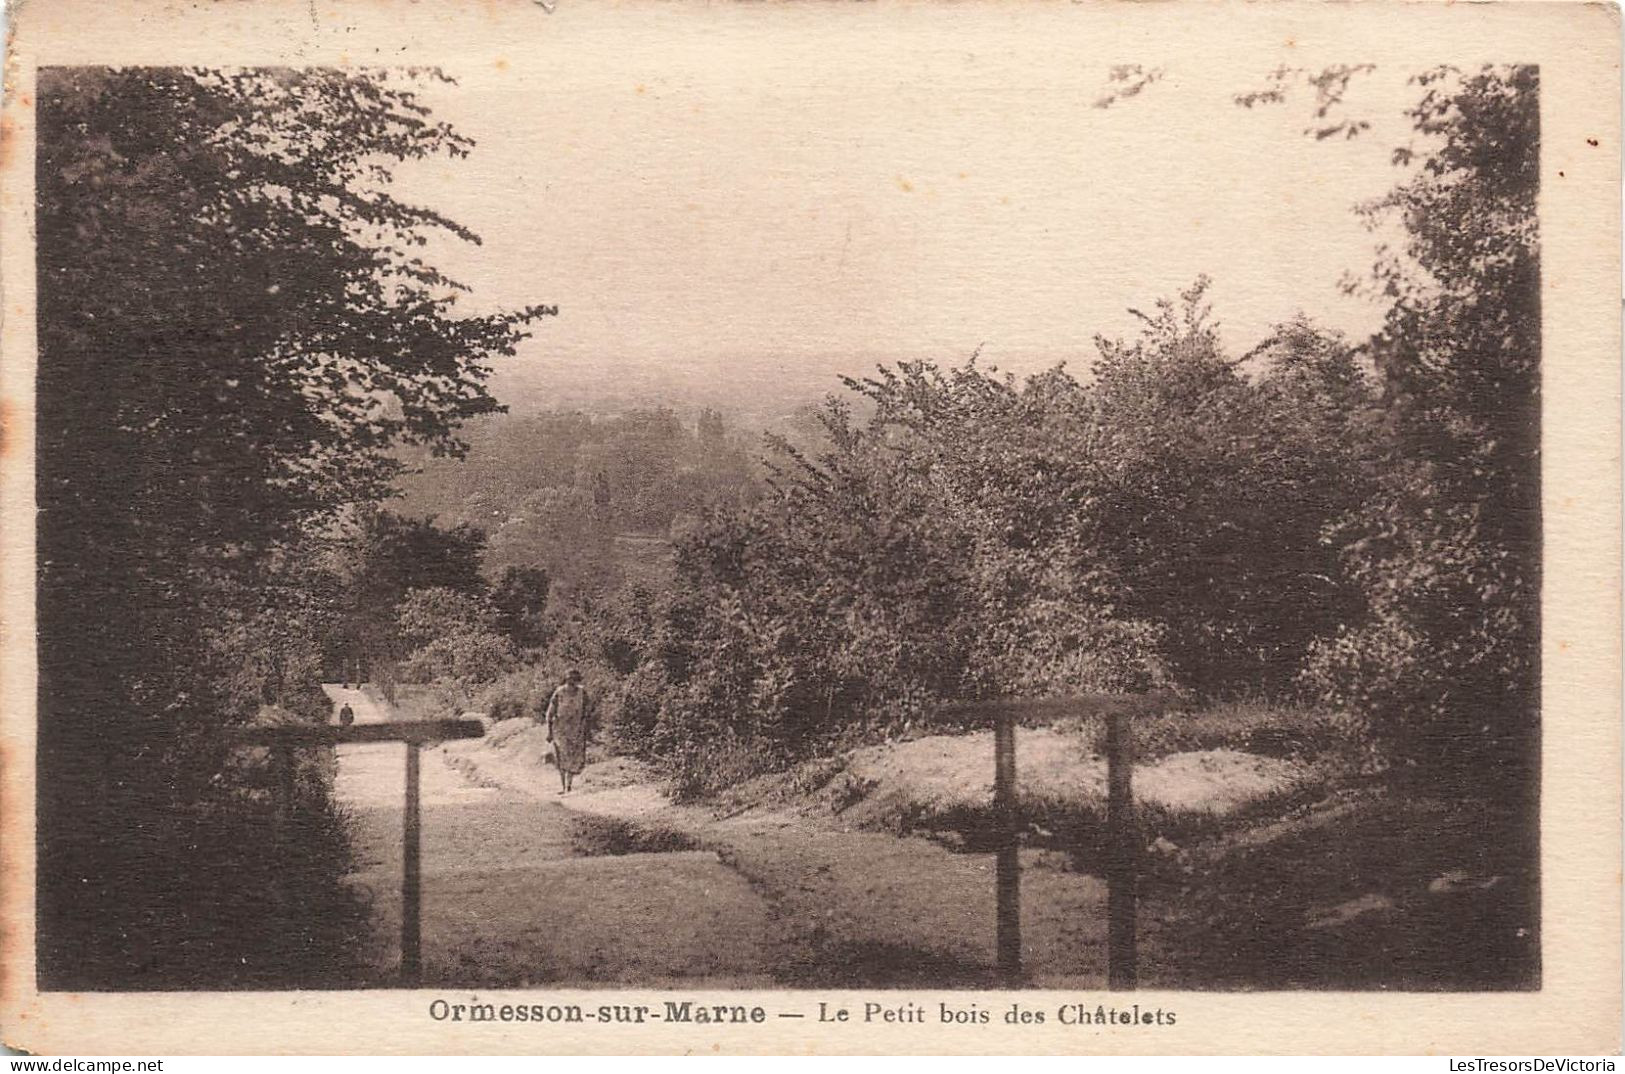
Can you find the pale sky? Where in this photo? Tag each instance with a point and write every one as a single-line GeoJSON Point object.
{"type": "Point", "coordinates": [736, 217]}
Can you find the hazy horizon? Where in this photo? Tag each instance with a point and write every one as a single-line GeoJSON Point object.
{"type": "Point", "coordinates": [776, 216]}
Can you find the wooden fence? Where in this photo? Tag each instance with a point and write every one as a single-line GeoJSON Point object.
{"type": "Point", "coordinates": [283, 739]}
{"type": "Point", "coordinates": [1121, 865]}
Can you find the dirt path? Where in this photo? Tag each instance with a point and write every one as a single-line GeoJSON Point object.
{"type": "Point", "coordinates": [870, 909]}
{"type": "Point", "coordinates": [518, 890]}
{"type": "Point", "coordinates": [847, 908]}
{"type": "Point", "coordinates": [361, 703]}
{"type": "Point", "coordinates": [615, 885]}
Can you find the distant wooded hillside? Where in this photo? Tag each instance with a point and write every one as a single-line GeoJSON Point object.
{"type": "Point", "coordinates": [585, 496]}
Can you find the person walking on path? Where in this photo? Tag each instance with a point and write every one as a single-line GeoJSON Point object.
{"type": "Point", "coordinates": [567, 728]}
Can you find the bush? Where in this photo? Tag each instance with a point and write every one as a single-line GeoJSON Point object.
{"type": "Point", "coordinates": [466, 660]}
{"type": "Point", "coordinates": [974, 538]}
{"type": "Point", "coordinates": [525, 691]}
{"type": "Point", "coordinates": [1443, 663]}
{"type": "Point", "coordinates": [704, 770]}
{"type": "Point", "coordinates": [638, 715]}
{"type": "Point", "coordinates": [453, 638]}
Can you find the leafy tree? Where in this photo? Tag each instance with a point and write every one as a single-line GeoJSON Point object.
{"type": "Point", "coordinates": [1444, 655]}
{"type": "Point", "coordinates": [1215, 488]}
{"type": "Point", "coordinates": [235, 325]}
{"type": "Point", "coordinates": [519, 596]}
{"type": "Point", "coordinates": [424, 614]}
{"type": "Point", "coordinates": [1459, 351]}
{"type": "Point", "coordinates": [380, 557]}
{"type": "Point", "coordinates": [1448, 551]}
{"type": "Point", "coordinates": [453, 638]}
{"type": "Point", "coordinates": [274, 641]}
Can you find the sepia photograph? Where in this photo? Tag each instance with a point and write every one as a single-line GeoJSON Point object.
{"type": "Point", "coordinates": [811, 507]}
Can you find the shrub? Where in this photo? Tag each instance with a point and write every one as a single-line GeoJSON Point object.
{"type": "Point", "coordinates": [524, 691]}
{"type": "Point", "coordinates": [703, 770]}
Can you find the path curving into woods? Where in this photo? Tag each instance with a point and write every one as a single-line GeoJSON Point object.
{"type": "Point", "coordinates": [520, 891]}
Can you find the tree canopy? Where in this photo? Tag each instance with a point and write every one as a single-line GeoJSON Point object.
{"type": "Point", "coordinates": [236, 324]}
{"type": "Point", "coordinates": [1446, 660]}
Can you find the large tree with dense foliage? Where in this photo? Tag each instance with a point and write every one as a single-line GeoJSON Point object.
{"type": "Point", "coordinates": [235, 326]}
{"type": "Point", "coordinates": [1442, 650]}
{"type": "Point", "coordinates": [1446, 659]}
{"type": "Point", "coordinates": [378, 557]}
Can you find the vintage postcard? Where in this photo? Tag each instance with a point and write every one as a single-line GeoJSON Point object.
{"type": "Point", "coordinates": [637, 527]}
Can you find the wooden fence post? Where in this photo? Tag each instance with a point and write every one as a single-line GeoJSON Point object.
{"type": "Point", "coordinates": [283, 740]}
{"type": "Point", "coordinates": [411, 927]}
{"type": "Point", "coordinates": [1122, 865]}
{"type": "Point", "coordinates": [1008, 881]}
{"type": "Point", "coordinates": [283, 795]}
{"type": "Point", "coordinates": [282, 766]}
